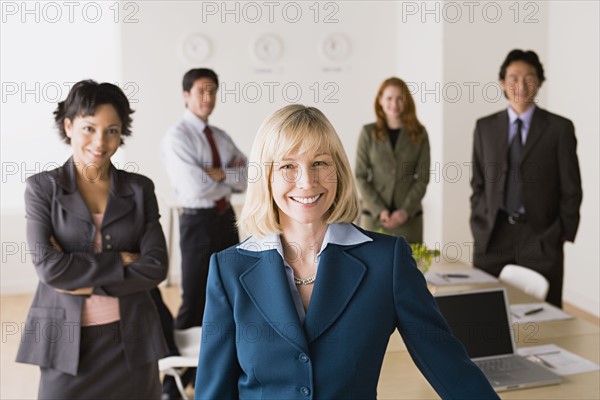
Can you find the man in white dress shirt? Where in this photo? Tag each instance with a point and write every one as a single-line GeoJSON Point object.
{"type": "Point", "coordinates": [205, 167]}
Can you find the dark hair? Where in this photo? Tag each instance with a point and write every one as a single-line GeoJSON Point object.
{"type": "Point", "coordinates": [194, 74]}
{"type": "Point", "coordinates": [83, 99]}
{"type": "Point", "coordinates": [526, 56]}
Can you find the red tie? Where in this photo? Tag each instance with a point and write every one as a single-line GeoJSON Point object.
{"type": "Point", "coordinates": [221, 203]}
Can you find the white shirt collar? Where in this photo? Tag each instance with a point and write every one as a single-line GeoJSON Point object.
{"type": "Point", "coordinates": [339, 234]}
{"type": "Point", "coordinates": [193, 119]}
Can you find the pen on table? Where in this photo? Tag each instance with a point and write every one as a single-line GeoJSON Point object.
{"type": "Point", "coordinates": [443, 276]}
{"type": "Point", "coordinates": [541, 360]}
{"type": "Point", "coordinates": [547, 353]}
{"type": "Point", "coordinates": [534, 311]}
{"type": "Point", "coordinates": [456, 275]}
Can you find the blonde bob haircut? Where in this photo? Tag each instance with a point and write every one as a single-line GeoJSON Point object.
{"type": "Point", "coordinates": [293, 129]}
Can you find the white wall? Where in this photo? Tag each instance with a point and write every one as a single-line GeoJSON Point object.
{"type": "Point", "coordinates": [572, 90]}
{"type": "Point", "coordinates": [424, 43]}
{"type": "Point", "coordinates": [151, 59]}
{"type": "Point", "coordinates": [45, 49]}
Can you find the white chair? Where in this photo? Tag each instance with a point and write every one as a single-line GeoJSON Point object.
{"type": "Point", "coordinates": [169, 220]}
{"type": "Point", "coordinates": [188, 342]}
{"type": "Point", "coordinates": [531, 282]}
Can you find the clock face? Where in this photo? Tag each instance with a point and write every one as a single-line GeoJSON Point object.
{"type": "Point", "coordinates": [336, 47]}
{"type": "Point", "coordinates": [195, 48]}
{"type": "Point", "coordinates": [268, 48]}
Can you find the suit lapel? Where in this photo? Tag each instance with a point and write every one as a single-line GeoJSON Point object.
{"type": "Point", "coordinates": [69, 198]}
{"type": "Point", "coordinates": [339, 277]}
{"type": "Point", "coordinates": [538, 125]}
{"type": "Point", "coordinates": [267, 286]}
{"type": "Point", "coordinates": [120, 200]}
{"type": "Point", "coordinates": [500, 140]}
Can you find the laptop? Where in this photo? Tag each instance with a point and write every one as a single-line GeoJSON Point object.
{"type": "Point", "coordinates": [480, 320]}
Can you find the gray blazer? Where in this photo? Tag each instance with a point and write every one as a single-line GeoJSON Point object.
{"type": "Point", "coordinates": [54, 207]}
{"type": "Point", "coordinates": [387, 175]}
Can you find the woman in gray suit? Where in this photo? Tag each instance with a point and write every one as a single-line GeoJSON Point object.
{"type": "Point", "coordinates": [98, 249]}
{"type": "Point", "coordinates": [392, 165]}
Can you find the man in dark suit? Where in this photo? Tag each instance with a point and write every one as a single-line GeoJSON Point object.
{"type": "Point", "coordinates": [527, 192]}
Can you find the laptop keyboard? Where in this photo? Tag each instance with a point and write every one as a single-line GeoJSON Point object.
{"type": "Point", "coordinates": [501, 364]}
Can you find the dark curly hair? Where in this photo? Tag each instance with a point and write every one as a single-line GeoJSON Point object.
{"type": "Point", "coordinates": [83, 99]}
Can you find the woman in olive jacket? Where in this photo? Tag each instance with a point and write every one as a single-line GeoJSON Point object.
{"type": "Point", "coordinates": [392, 165]}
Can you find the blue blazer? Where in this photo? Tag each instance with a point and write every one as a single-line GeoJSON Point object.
{"type": "Point", "coordinates": [254, 346]}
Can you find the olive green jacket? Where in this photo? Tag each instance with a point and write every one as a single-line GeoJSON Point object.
{"type": "Point", "coordinates": [398, 176]}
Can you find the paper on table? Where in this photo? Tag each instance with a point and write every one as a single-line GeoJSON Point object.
{"type": "Point", "coordinates": [459, 277]}
{"type": "Point", "coordinates": [557, 359]}
{"type": "Point", "coordinates": [548, 312]}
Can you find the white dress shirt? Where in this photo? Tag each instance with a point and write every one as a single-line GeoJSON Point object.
{"type": "Point", "coordinates": [185, 151]}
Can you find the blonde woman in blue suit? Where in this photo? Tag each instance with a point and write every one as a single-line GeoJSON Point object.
{"type": "Point", "coordinates": [305, 307]}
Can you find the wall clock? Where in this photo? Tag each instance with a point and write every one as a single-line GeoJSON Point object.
{"type": "Point", "coordinates": [335, 47]}
{"type": "Point", "coordinates": [196, 48]}
{"type": "Point", "coordinates": [267, 48]}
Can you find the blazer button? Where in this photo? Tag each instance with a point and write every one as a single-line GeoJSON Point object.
{"type": "Point", "coordinates": [305, 391]}
{"type": "Point", "coordinates": [109, 246]}
{"type": "Point", "coordinates": [107, 236]}
{"type": "Point", "coordinates": [303, 358]}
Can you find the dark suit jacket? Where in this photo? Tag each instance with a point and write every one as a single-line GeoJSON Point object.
{"type": "Point", "coordinates": [253, 345]}
{"type": "Point", "coordinates": [551, 182]}
{"type": "Point", "coordinates": [55, 208]}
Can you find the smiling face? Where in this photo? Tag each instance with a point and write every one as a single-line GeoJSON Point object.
{"type": "Point", "coordinates": [520, 85]}
{"type": "Point", "coordinates": [95, 138]}
{"type": "Point", "coordinates": [304, 187]}
{"type": "Point", "coordinates": [391, 103]}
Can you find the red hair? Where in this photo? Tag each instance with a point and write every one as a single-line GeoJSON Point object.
{"type": "Point", "coordinates": [409, 120]}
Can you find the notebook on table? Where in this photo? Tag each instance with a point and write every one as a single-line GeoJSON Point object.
{"type": "Point", "coordinates": [480, 320]}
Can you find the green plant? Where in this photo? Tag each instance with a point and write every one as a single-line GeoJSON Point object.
{"type": "Point", "coordinates": [423, 256]}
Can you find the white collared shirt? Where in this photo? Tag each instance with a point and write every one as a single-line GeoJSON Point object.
{"type": "Point", "coordinates": [339, 234]}
{"type": "Point", "coordinates": [185, 151]}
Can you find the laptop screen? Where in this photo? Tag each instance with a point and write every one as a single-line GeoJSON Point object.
{"type": "Point", "coordinates": [479, 320]}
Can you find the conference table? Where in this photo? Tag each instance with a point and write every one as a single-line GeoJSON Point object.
{"type": "Point", "coordinates": [400, 378]}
